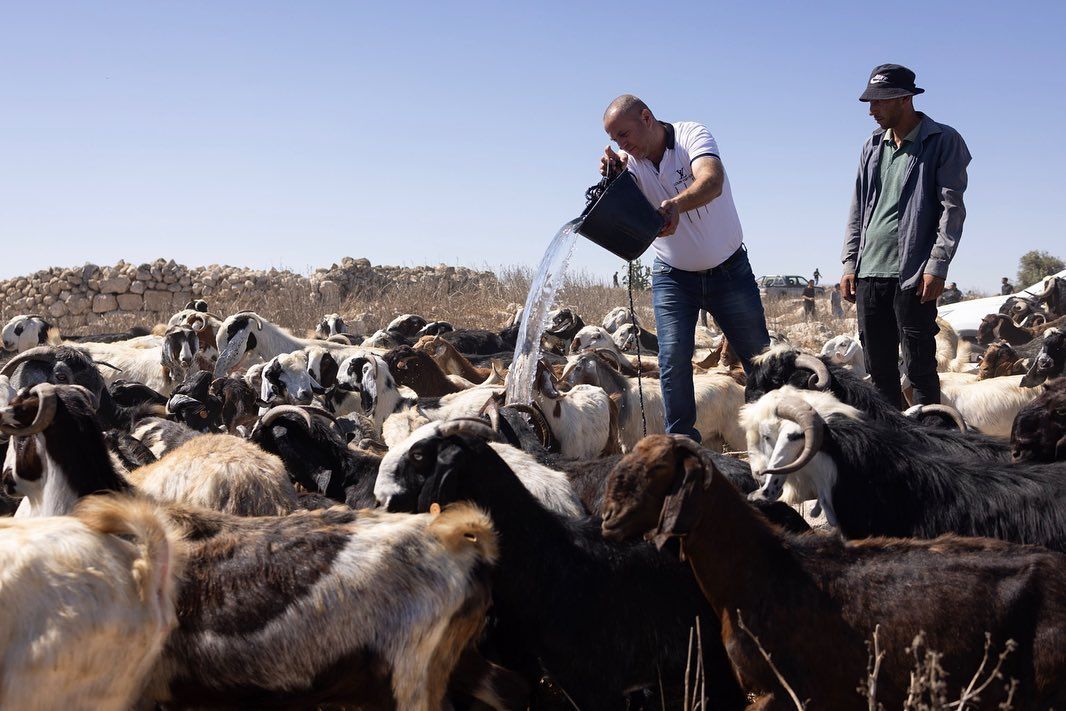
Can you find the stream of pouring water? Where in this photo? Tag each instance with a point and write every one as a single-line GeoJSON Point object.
{"type": "Point", "coordinates": [547, 281]}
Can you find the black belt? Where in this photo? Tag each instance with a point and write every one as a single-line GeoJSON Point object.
{"type": "Point", "coordinates": [730, 261]}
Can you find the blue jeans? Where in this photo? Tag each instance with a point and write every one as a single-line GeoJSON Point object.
{"type": "Point", "coordinates": [731, 296]}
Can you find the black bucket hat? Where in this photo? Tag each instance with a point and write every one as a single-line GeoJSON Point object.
{"type": "Point", "coordinates": [890, 81]}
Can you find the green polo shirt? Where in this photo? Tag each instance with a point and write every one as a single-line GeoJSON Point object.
{"type": "Point", "coordinates": [880, 253]}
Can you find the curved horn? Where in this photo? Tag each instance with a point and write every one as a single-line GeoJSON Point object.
{"type": "Point", "coordinates": [1048, 289]}
{"type": "Point", "coordinates": [254, 315]}
{"type": "Point", "coordinates": [112, 367]}
{"type": "Point", "coordinates": [177, 401]}
{"type": "Point", "coordinates": [798, 411]}
{"type": "Point", "coordinates": [44, 354]}
{"type": "Point", "coordinates": [469, 425]}
{"type": "Point", "coordinates": [540, 424]}
{"type": "Point", "coordinates": [277, 411]}
{"type": "Point", "coordinates": [46, 411]}
{"type": "Point", "coordinates": [820, 379]}
{"type": "Point", "coordinates": [315, 410]}
{"type": "Point", "coordinates": [919, 410]}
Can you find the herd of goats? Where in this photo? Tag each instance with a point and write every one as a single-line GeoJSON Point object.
{"type": "Point", "coordinates": [222, 514]}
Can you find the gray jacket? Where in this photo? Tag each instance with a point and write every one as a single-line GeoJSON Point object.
{"type": "Point", "coordinates": [931, 209]}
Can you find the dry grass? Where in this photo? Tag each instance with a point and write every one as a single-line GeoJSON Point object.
{"type": "Point", "coordinates": [473, 307]}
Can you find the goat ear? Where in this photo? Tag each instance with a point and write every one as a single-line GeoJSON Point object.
{"type": "Point", "coordinates": [681, 507]}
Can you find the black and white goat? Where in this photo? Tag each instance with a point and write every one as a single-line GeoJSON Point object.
{"type": "Point", "coordinates": [783, 365]}
{"type": "Point", "coordinates": [246, 337]}
{"type": "Point", "coordinates": [562, 593]}
{"type": "Point", "coordinates": [317, 455]}
{"type": "Point", "coordinates": [58, 455]}
{"type": "Point", "coordinates": [873, 479]}
{"type": "Point", "coordinates": [398, 485]}
{"type": "Point", "coordinates": [1050, 361]}
{"type": "Point", "coordinates": [27, 331]}
{"type": "Point", "coordinates": [628, 336]}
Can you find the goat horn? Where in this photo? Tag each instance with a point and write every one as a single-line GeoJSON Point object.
{"type": "Point", "coordinates": [1050, 287]}
{"type": "Point", "coordinates": [469, 425]}
{"type": "Point", "coordinates": [820, 379]}
{"type": "Point", "coordinates": [112, 367]}
{"type": "Point", "coordinates": [46, 411]}
{"type": "Point", "coordinates": [794, 409]}
{"type": "Point", "coordinates": [254, 315]}
{"type": "Point", "coordinates": [540, 424]}
{"type": "Point", "coordinates": [919, 410]}
{"type": "Point", "coordinates": [176, 401]}
{"type": "Point", "coordinates": [277, 411]}
{"type": "Point", "coordinates": [44, 354]}
{"type": "Point", "coordinates": [315, 410]}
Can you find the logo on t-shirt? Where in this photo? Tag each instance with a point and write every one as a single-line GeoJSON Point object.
{"type": "Point", "coordinates": [682, 177]}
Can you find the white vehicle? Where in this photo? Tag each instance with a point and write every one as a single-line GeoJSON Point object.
{"type": "Point", "coordinates": [965, 316]}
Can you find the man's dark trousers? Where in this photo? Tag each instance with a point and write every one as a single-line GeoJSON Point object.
{"type": "Point", "coordinates": [890, 320]}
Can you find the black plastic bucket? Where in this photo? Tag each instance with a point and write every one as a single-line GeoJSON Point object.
{"type": "Point", "coordinates": [622, 221]}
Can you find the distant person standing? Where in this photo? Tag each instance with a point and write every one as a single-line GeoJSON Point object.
{"type": "Point", "coordinates": [1006, 288]}
{"type": "Point", "coordinates": [951, 295]}
{"type": "Point", "coordinates": [834, 302]}
{"type": "Point", "coordinates": [903, 229]}
{"type": "Point", "coordinates": [817, 276]}
{"type": "Point", "coordinates": [808, 300]}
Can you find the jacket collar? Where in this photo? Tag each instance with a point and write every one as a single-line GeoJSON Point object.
{"type": "Point", "coordinates": [926, 128]}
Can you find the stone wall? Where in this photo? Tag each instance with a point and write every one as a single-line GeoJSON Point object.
{"type": "Point", "coordinates": [92, 295]}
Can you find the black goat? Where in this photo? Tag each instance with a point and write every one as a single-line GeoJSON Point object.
{"type": "Point", "coordinates": [1039, 430]}
{"type": "Point", "coordinates": [874, 479]}
{"type": "Point", "coordinates": [317, 456]}
{"type": "Point", "coordinates": [481, 342]}
{"type": "Point", "coordinates": [238, 402]}
{"type": "Point", "coordinates": [599, 617]}
{"type": "Point", "coordinates": [193, 404]}
{"type": "Point", "coordinates": [785, 366]}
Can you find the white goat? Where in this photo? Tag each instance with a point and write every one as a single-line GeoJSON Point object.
{"type": "Point", "coordinates": [617, 317]}
{"type": "Point", "coordinates": [593, 338]}
{"type": "Point", "coordinates": [989, 406]}
{"type": "Point", "coordinates": [846, 351]}
{"type": "Point", "coordinates": [85, 596]}
{"type": "Point", "coordinates": [583, 420]}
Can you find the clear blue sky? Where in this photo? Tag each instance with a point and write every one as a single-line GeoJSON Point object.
{"type": "Point", "coordinates": [291, 134]}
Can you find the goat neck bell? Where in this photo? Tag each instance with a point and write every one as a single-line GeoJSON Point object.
{"type": "Point", "coordinates": [619, 219]}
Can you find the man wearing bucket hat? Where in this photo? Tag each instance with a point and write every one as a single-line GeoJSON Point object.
{"type": "Point", "coordinates": [904, 227]}
{"type": "Point", "coordinates": [700, 259]}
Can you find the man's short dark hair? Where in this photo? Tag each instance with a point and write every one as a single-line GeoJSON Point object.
{"type": "Point", "coordinates": [625, 104]}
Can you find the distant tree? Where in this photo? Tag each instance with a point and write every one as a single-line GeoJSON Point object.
{"type": "Point", "coordinates": [1035, 265]}
{"type": "Point", "coordinates": [639, 275]}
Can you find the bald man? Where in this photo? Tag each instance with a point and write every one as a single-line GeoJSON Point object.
{"type": "Point", "coordinates": [700, 258]}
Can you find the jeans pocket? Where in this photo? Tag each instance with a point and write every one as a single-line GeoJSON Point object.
{"type": "Point", "coordinates": [660, 267]}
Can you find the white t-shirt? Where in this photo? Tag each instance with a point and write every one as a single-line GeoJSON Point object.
{"type": "Point", "coordinates": [706, 236]}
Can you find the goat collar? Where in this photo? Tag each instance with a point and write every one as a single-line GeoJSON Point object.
{"type": "Point", "coordinates": [683, 504]}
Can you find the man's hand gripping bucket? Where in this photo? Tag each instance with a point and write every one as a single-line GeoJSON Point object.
{"type": "Point", "coordinates": [619, 218]}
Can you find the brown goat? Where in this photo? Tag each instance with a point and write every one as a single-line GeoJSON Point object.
{"type": "Point", "coordinates": [813, 601]}
{"type": "Point", "coordinates": [1001, 327]}
{"type": "Point", "coordinates": [1000, 360]}
{"type": "Point", "coordinates": [450, 360]}
{"type": "Point", "coordinates": [419, 371]}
